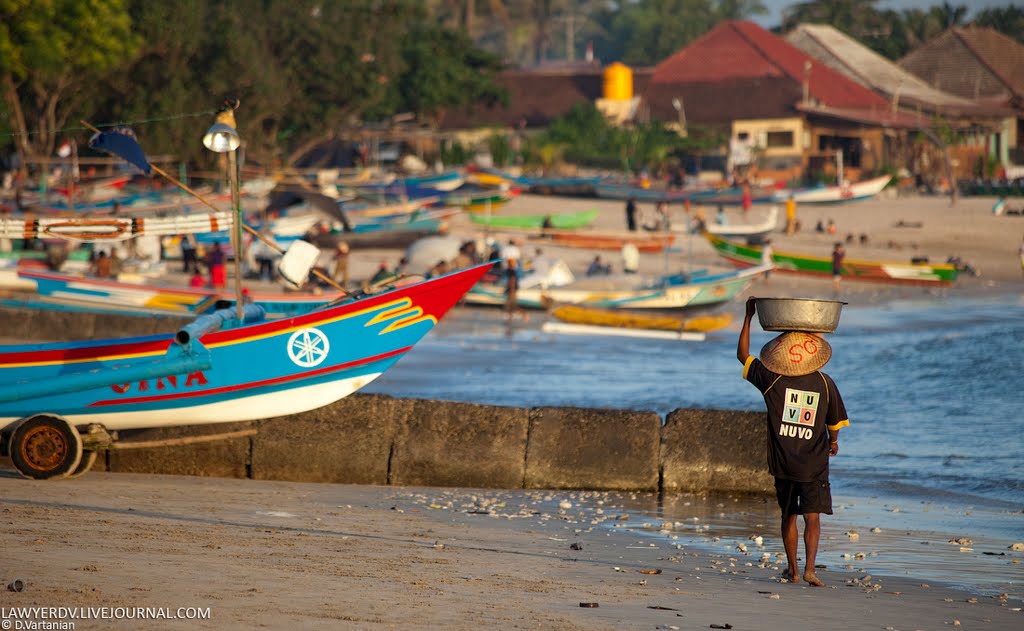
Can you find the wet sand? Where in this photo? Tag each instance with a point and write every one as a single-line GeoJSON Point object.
{"type": "Point", "coordinates": [287, 555]}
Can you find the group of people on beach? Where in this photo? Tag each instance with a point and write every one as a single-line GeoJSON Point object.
{"type": "Point", "coordinates": [661, 220]}
{"type": "Point", "coordinates": [214, 260]}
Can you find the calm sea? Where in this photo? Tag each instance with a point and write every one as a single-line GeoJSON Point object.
{"type": "Point", "coordinates": [933, 389]}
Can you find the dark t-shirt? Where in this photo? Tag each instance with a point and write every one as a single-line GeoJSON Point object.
{"type": "Point", "coordinates": [837, 262]}
{"type": "Point", "coordinates": [800, 410]}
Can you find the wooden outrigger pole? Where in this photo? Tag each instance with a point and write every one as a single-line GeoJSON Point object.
{"type": "Point", "coordinates": [256, 233]}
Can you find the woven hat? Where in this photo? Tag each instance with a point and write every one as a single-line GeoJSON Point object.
{"type": "Point", "coordinates": [795, 353]}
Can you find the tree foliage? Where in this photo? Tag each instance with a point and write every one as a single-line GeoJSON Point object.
{"type": "Point", "coordinates": [307, 69]}
{"type": "Point", "coordinates": [51, 51]}
{"type": "Point", "coordinates": [646, 32]}
{"type": "Point", "coordinates": [303, 69]}
{"type": "Point", "coordinates": [584, 136]}
{"type": "Point", "coordinates": [442, 70]}
{"type": "Point", "coordinates": [1008, 20]}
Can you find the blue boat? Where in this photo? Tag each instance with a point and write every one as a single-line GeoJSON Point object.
{"type": "Point", "coordinates": [573, 185]}
{"type": "Point", "coordinates": [60, 402]}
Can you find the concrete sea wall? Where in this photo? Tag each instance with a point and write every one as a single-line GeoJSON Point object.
{"type": "Point", "coordinates": [382, 440]}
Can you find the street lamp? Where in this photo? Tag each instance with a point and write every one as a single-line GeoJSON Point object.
{"type": "Point", "coordinates": [677, 105]}
{"type": "Point", "coordinates": [222, 137]}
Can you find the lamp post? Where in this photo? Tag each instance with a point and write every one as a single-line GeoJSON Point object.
{"type": "Point", "coordinates": [223, 138]}
{"type": "Point", "coordinates": [677, 105]}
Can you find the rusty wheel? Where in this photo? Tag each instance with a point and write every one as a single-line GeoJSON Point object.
{"type": "Point", "coordinates": [44, 447]}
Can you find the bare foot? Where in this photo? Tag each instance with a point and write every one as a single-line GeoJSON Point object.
{"type": "Point", "coordinates": [812, 579]}
{"type": "Point", "coordinates": [789, 577]}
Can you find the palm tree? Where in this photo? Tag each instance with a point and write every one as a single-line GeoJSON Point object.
{"type": "Point", "coordinates": [948, 15]}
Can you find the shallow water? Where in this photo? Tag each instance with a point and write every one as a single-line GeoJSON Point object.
{"type": "Point", "coordinates": [933, 391]}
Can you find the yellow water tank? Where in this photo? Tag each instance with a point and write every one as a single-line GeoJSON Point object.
{"type": "Point", "coordinates": [618, 82]}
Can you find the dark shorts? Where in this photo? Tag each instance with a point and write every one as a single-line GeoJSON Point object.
{"type": "Point", "coordinates": [797, 498]}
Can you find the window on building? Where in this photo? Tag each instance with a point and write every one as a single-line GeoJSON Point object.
{"type": "Point", "coordinates": [780, 139]}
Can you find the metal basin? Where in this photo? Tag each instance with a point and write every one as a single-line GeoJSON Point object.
{"type": "Point", "coordinates": [798, 314]}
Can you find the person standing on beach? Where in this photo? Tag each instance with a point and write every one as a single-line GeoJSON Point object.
{"type": "Point", "coordinates": [767, 256]}
{"type": "Point", "coordinates": [1021, 250]}
{"type": "Point", "coordinates": [513, 274]}
{"type": "Point", "coordinates": [790, 215]}
{"type": "Point", "coordinates": [804, 415]}
{"type": "Point", "coordinates": [631, 214]}
{"type": "Point", "coordinates": [215, 263]}
{"type": "Point", "coordinates": [838, 257]}
{"type": "Point", "coordinates": [188, 253]}
{"type": "Point", "coordinates": [341, 264]}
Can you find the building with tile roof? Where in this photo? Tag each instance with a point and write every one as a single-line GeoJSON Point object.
{"type": "Point", "coordinates": [985, 127]}
{"type": "Point", "coordinates": [795, 110]}
{"type": "Point", "coordinates": [976, 63]}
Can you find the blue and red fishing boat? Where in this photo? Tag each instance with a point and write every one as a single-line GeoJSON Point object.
{"type": "Point", "coordinates": [60, 402]}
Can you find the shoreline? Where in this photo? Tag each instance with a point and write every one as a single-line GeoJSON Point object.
{"type": "Point", "coordinates": [279, 554]}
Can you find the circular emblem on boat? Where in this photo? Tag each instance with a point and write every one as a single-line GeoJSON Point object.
{"type": "Point", "coordinates": [308, 347]}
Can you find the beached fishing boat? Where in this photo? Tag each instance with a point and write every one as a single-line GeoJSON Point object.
{"type": "Point", "coordinates": [54, 290]}
{"type": "Point", "coordinates": [606, 241]}
{"type": "Point", "coordinates": [678, 291]}
{"type": "Point", "coordinates": [836, 193]}
{"type": "Point", "coordinates": [481, 202]}
{"type": "Point", "coordinates": [568, 328]}
{"type": "Point", "coordinates": [560, 221]}
{"type": "Point", "coordinates": [910, 273]}
{"type": "Point", "coordinates": [385, 211]}
{"type": "Point", "coordinates": [591, 316]}
{"type": "Point", "coordinates": [749, 231]}
{"type": "Point", "coordinates": [732, 196]}
{"type": "Point", "coordinates": [607, 189]}
{"type": "Point", "coordinates": [447, 181]}
{"type": "Point", "coordinates": [111, 228]}
{"type": "Point", "coordinates": [60, 402]}
{"type": "Point", "coordinates": [579, 185]}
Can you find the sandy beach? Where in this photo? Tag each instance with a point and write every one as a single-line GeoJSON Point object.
{"type": "Point", "coordinates": [286, 555]}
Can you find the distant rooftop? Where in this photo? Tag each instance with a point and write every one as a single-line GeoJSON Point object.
{"type": "Point", "coordinates": [973, 62]}
{"type": "Point", "coordinates": [858, 62]}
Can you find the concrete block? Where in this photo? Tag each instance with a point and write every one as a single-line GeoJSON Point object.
{"type": "Point", "coordinates": [576, 448]}
{"type": "Point", "coordinates": [715, 450]}
{"type": "Point", "coordinates": [349, 441]}
{"type": "Point", "coordinates": [447, 443]}
{"type": "Point", "coordinates": [18, 325]}
{"type": "Point", "coordinates": [220, 458]}
{"type": "Point", "coordinates": [50, 325]}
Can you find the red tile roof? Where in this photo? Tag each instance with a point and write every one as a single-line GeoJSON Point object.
{"type": "Point", "coordinates": [739, 50]}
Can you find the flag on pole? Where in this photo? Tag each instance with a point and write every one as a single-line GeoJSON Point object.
{"type": "Point", "coordinates": [121, 142]}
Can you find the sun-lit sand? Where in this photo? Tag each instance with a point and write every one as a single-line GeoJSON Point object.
{"type": "Point", "coordinates": [897, 230]}
{"type": "Point", "coordinates": [284, 555]}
